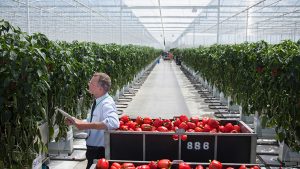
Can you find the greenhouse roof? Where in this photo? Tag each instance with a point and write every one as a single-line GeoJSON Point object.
{"type": "Point", "coordinates": [158, 23]}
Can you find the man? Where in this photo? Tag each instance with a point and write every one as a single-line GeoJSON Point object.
{"type": "Point", "coordinates": [103, 117]}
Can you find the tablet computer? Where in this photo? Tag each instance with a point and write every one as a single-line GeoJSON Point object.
{"type": "Point", "coordinates": [64, 113]}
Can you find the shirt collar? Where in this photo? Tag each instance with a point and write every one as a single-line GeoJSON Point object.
{"type": "Point", "coordinates": [98, 100]}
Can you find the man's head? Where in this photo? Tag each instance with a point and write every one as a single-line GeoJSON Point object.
{"type": "Point", "coordinates": [99, 84]}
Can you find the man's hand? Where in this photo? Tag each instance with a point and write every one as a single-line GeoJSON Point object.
{"type": "Point", "coordinates": [70, 121]}
{"type": "Point", "coordinates": [81, 125]}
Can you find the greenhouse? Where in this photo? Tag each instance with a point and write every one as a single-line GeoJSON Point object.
{"type": "Point", "coordinates": [151, 84]}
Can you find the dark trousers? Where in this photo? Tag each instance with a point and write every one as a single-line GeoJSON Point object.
{"type": "Point", "coordinates": [94, 153]}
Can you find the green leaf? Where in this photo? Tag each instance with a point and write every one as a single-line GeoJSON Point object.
{"type": "Point", "coordinates": [39, 72]}
{"type": "Point", "coordinates": [51, 131]}
{"type": "Point", "coordinates": [42, 54]}
{"type": "Point", "coordinates": [12, 55]}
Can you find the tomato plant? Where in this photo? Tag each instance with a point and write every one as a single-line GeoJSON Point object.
{"type": "Point", "coordinates": [258, 76]}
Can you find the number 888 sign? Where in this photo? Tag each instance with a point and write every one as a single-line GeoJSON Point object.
{"type": "Point", "coordinates": [197, 145]}
{"type": "Point", "coordinates": [198, 148]}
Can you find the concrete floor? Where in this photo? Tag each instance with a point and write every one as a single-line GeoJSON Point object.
{"type": "Point", "coordinates": [167, 93]}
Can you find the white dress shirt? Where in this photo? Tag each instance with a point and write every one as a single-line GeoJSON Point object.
{"type": "Point", "coordinates": [105, 111]}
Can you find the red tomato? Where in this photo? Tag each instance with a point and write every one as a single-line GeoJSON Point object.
{"type": "Point", "coordinates": [147, 120]}
{"type": "Point", "coordinates": [255, 167]}
{"type": "Point", "coordinates": [200, 124]}
{"type": "Point", "coordinates": [116, 165]}
{"type": "Point", "coordinates": [132, 124]}
{"type": "Point", "coordinates": [143, 167]}
{"type": "Point", "coordinates": [233, 131]}
{"type": "Point", "coordinates": [138, 129]}
{"type": "Point", "coordinates": [175, 137]}
{"type": "Point", "coordinates": [183, 137]}
{"type": "Point", "coordinates": [205, 120]}
{"type": "Point", "coordinates": [195, 119]}
{"type": "Point", "coordinates": [167, 123]}
{"type": "Point", "coordinates": [124, 118]}
{"type": "Point", "coordinates": [213, 123]}
{"type": "Point", "coordinates": [124, 127]}
{"type": "Point", "coordinates": [164, 163]}
{"type": "Point", "coordinates": [207, 128]}
{"type": "Point", "coordinates": [190, 130]}
{"type": "Point", "coordinates": [139, 120]}
{"type": "Point", "coordinates": [177, 122]}
{"type": "Point", "coordinates": [198, 129]}
{"type": "Point", "coordinates": [213, 131]}
{"type": "Point", "coordinates": [184, 165]}
{"type": "Point", "coordinates": [222, 129]}
{"type": "Point", "coordinates": [199, 167]}
{"type": "Point", "coordinates": [215, 165]}
{"type": "Point", "coordinates": [127, 165]}
{"type": "Point", "coordinates": [102, 164]}
{"type": "Point", "coordinates": [113, 167]}
{"type": "Point", "coordinates": [183, 118]}
{"type": "Point", "coordinates": [162, 129]}
{"type": "Point", "coordinates": [153, 165]}
{"type": "Point", "coordinates": [228, 128]}
{"type": "Point", "coordinates": [158, 122]}
{"type": "Point", "coordinates": [146, 127]}
{"type": "Point", "coordinates": [191, 125]}
{"type": "Point", "coordinates": [237, 128]}
{"type": "Point", "coordinates": [243, 167]}
{"type": "Point", "coordinates": [183, 125]}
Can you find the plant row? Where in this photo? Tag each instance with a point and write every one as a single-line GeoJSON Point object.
{"type": "Point", "coordinates": [261, 77]}
{"type": "Point", "coordinates": [38, 74]}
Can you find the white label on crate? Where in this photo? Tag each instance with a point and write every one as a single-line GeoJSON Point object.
{"type": "Point", "coordinates": [197, 145]}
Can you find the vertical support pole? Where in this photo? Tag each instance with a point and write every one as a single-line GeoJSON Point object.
{"type": "Point", "coordinates": [91, 24]}
{"type": "Point", "coordinates": [121, 26]}
{"type": "Point", "coordinates": [218, 25]}
{"type": "Point", "coordinates": [144, 147]}
{"type": "Point", "coordinates": [247, 20]}
{"type": "Point", "coordinates": [295, 31]}
{"type": "Point", "coordinates": [257, 36]}
{"type": "Point", "coordinates": [194, 35]}
{"type": "Point", "coordinates": [41, 20]}
{"type": "Point", "coordinates": [28, 19]}
{"type": "Point", "coordinates": [216, 147]}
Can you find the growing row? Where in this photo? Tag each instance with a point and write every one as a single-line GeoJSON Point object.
{"type": "Point", "coordinates": [38, 74]}
{"type": "Point", "coordinates": [260, 77]}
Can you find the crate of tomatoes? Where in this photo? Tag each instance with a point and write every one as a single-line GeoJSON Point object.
{"type": "Point", "coordinates": [182, 138]}
{"type": "Point", "coordinates": [167, 164]}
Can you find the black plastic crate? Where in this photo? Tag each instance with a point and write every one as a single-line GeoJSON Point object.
{"type": "Point", "coordinates": [199, 146]}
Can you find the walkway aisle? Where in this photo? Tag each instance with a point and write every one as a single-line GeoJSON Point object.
{"type": "Point", "coordinates": [167, 93]}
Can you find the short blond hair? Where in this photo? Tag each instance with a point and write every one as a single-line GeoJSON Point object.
{"type": "Point", "coordinates": [104, 80]}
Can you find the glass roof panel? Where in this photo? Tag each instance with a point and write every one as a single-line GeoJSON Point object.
{"type": "Point", "coordinates": [176, 15]}
{"type": "Point", "coordinates": [141, 3]}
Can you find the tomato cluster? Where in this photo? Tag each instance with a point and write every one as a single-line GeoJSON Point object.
{"type": "Point", "coordinates": [163, 164]}
{"type": "Point", "coordinates": [160, 164]}
{"type": "Point", "coordinates": [194, 124]}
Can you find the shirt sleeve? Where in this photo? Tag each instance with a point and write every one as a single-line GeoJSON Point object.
{"type": "Point", "coordinates": [111, 119]}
